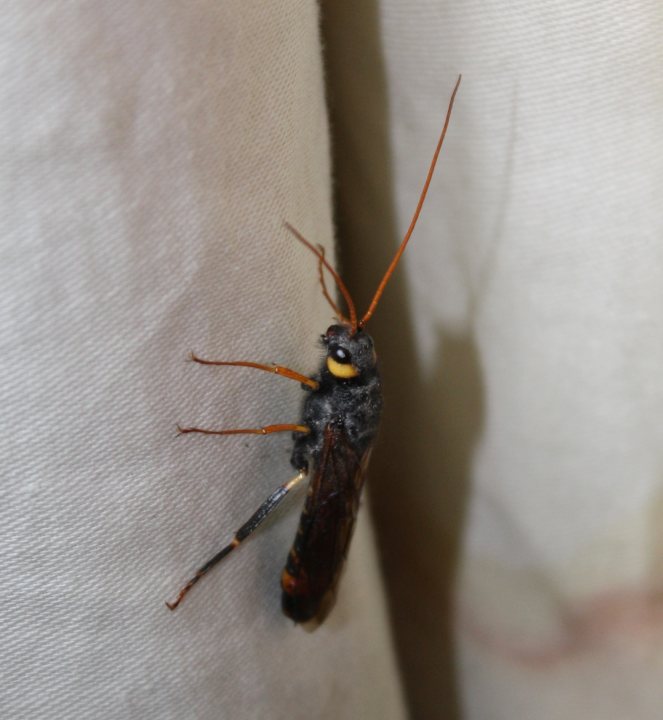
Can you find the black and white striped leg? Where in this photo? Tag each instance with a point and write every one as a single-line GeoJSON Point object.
{"type": "Point", "coordinates": [271, 503]}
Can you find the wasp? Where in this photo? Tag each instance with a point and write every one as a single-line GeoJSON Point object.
{"type": "Point", "coordinates": [332, 443]}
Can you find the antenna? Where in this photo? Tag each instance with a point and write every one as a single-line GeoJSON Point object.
{"type": "Point", "coordinates": [415, 217]}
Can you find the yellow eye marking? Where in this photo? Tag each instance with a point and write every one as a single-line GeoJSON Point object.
{"type": "Point", "coordinates": [341, 370]}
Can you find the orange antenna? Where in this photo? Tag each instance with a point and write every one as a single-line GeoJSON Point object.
{"type": "Point", "coordinates": [323, 285]}
{"type": "Point", "coordinates": [415, 217]}
{"type": "Point", "coordinates": [337, 279]}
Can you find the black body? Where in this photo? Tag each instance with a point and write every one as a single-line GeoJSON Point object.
{"type": "Point", "coordinates": [343, 415]}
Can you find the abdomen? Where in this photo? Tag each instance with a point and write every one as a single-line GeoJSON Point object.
{"type": "Point", "coordinates": [315, 561]}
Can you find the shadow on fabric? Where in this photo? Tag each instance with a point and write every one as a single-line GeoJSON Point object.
{"type": "Point", "coordinates": [420, 473]}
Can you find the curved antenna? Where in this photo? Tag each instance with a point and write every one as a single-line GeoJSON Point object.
{"type": "Point", "coordinates": [323, 285]}
{"type": "Point", "coordinates": [339, 283]}
{"type": "Point", "coordinates": [415, 217]}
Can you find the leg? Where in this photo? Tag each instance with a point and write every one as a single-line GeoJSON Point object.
{"type": "Point", "coordinates": [267, 430]}
{"type": "Point", "coordinates": [276, 369]}
{"type": "Point", "coordinates": [272, 502]}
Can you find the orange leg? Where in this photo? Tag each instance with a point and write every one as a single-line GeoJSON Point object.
{"type": "Point", "coordinates": [276, 369]}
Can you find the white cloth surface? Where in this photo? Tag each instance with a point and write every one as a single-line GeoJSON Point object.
{"type": "Point", "coordinates": [151, 152]}
{"type": "Point", "coordinates": [521, 462]}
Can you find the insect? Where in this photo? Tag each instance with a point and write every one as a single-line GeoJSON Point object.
{"type": "Point", "coordinates": [332, 443]}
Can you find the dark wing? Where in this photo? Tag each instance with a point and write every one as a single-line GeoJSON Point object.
{"type": "Point", "coordinates": [315, 561]}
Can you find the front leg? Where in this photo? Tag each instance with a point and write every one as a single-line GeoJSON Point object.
{"type": "Point", "coordinates": [276, 369]}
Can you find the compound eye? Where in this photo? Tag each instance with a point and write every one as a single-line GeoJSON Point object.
{"type": "Point", "coordinates": [340, 355]}
{"type": "Point", "coordinates": [339, 363]}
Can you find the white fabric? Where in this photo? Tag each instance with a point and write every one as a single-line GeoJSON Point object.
{"type": "Point", "coordinates": [151, 152]}
{"type": "Point", "coordinates": [521, 347]}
